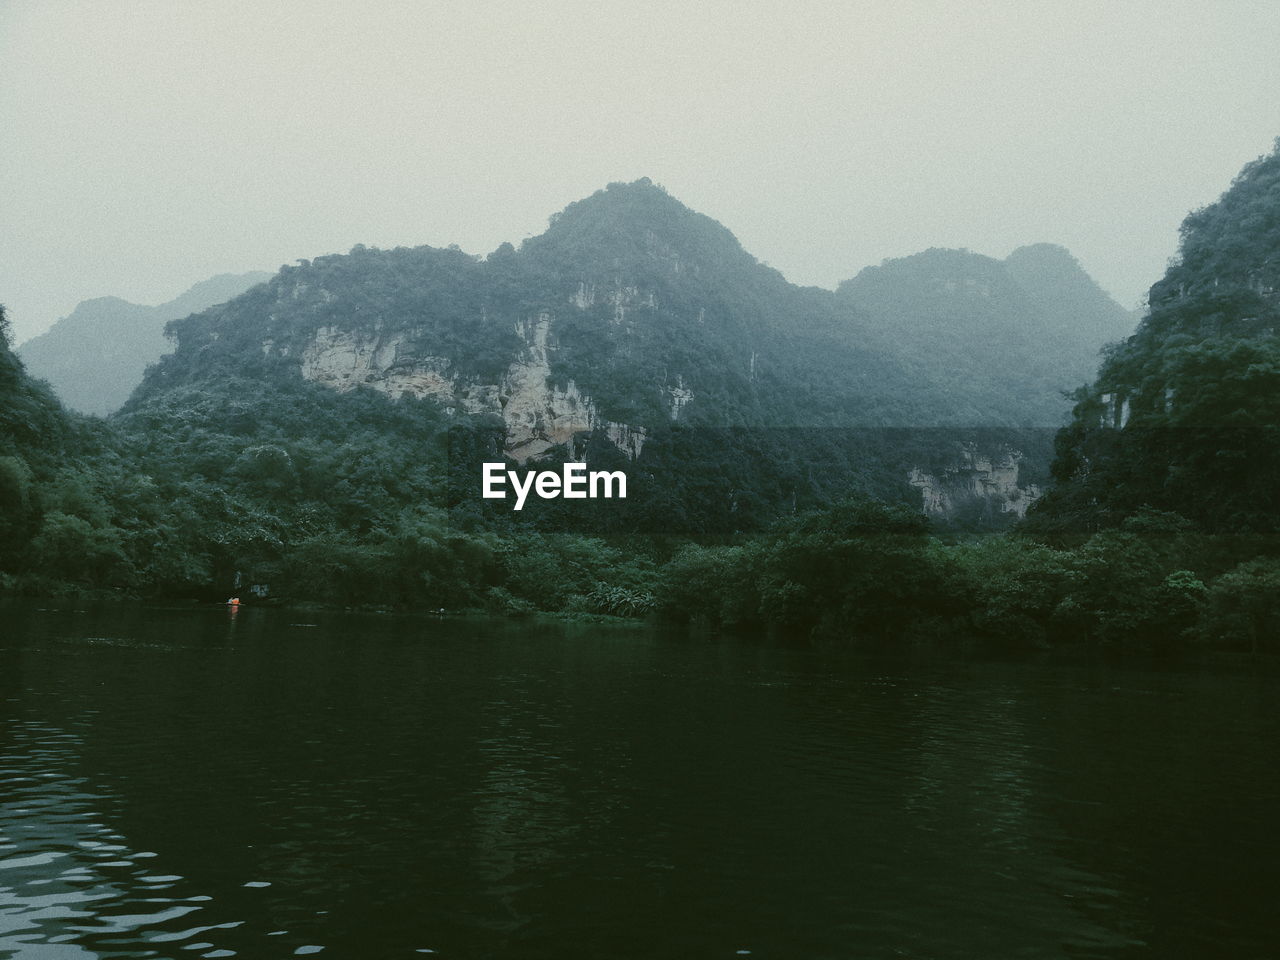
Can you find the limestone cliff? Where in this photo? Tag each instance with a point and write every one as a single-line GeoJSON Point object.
{"type": "Point", "coordinates": [539, 414]}
{"type": "Point", "coordinates": [975, 479]}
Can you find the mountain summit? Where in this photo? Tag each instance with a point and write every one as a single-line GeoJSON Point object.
{"type": "Point", "coordinates": [637, 223]}
{"type": "Point", "coordinates": [1071, 300]}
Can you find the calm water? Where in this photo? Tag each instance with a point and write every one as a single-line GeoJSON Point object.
{"type": "Point", "coordinates": [186, 784]}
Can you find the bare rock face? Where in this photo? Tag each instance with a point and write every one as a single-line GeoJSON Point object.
{"type": "Point", "coordinates": [679, 396]}
{"type": "Point", "coordinates": [344, 360]}
{"type": "Point", "coordinates": [539, 415]}
{"type": "Point", "coordinates": [976, 476]}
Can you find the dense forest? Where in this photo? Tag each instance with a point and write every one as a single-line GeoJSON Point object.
{"type": "Point", "coordinates": [319, 436]}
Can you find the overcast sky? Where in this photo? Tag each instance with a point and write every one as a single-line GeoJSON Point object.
{"type": "Point", "coordinates": [149, 144]}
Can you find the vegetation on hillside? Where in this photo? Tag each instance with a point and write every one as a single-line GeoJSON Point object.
{"type": "Point", "coordinates": [1003, 341]}
{"type": "Point", "coordinates": [1184, 415]}
{"type": "Point", "coordinates": [778, 504]}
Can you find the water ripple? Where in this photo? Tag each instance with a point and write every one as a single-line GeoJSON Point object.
{"type": "Point", "coordinates": [391, 787]}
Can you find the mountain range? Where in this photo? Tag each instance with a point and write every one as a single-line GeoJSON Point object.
{"type": "Point", "coordinates": [95, 356]}
{"type": "Point", "coordinates": [638, 324]}
{"type": "Point", "coordinates": [320, 435]}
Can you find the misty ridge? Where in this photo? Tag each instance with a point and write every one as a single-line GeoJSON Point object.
{"type": "Point", "coordinates": [96, 355]}
{"type": "Point", "coordinates": [641, 330]}
{"type": "Point", "coordinates": [945, 318]}
{"type": "Point", "coordinates": [323, 434]}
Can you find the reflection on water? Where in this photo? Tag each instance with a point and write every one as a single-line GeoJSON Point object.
{"type": "Point", "coordinates": [188, 783]}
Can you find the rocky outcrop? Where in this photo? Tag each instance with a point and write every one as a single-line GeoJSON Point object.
{"type": "Point", "coordinates": [539, 414]}
{"type": "Point", "coordinates": [976, 477]}
{"type": "Point", "coordinates": [1115, 410]}
{"type": "Point", "coordinates": [678, 397]}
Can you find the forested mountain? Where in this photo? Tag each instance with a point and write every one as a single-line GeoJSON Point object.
{"type": "Point", "coordinates": [1004, 341]}
{"type": "Point", "coordinates": [640, 311]}
{"type": "Point", "coordinates": [95, 356]}
{"type": "Point", "coordinates": [1161, 529]}
{"type": "Point", "coordinates": [29, 413]}
{"type": "Point", "coordinates": [1184, 415]}
{"type": "Point", "coordinates": [319, 436]}
{"type": "Point", "coordinates": [41, 451]}
{"type": "Point", "coordinates": [640, 329]}
{"type": "Point", "coordinates": [1166, 477]}
{"type": "Point", "coordinates": [1075, 308]}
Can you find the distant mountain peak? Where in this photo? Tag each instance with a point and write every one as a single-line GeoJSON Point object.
{"type": "Point", "coordinates": [1060, 284]}
{"type": "Point", "coordinates": [1047, 260]}
{"type": "Point", "coordinates": [1045, 251]}
{"type": "Point", "coordinates": [96, 355]}
{"type": "Point", "coordinates": [95, 310]}
{"type": "Point", "coordinates": [626, 204]}
{"type": "Point", "coordinates": [1038, 310]}
{"type": "Point", "coordinates": [637, 222]}
{"type": "Point", "coordinates": [947, 260]}
{"type": "Point", "coordinates": [938, 272]}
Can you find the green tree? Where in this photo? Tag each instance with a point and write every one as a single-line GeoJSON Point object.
{"type": "Point", "coordinates": [1242, 606]}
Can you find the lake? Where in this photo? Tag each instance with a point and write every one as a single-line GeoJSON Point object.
{"type": "Point", "coordinates": [189, 783]}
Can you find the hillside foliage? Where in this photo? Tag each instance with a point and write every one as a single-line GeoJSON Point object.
{"type": "Point", "coordinates": [778, 502]}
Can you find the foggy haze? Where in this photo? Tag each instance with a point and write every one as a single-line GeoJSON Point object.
{"type": "Point", "coordinates": [149, 145]}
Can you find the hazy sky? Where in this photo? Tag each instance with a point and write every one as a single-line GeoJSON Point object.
{"type": "Point", "coordinates": [149, 144]}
